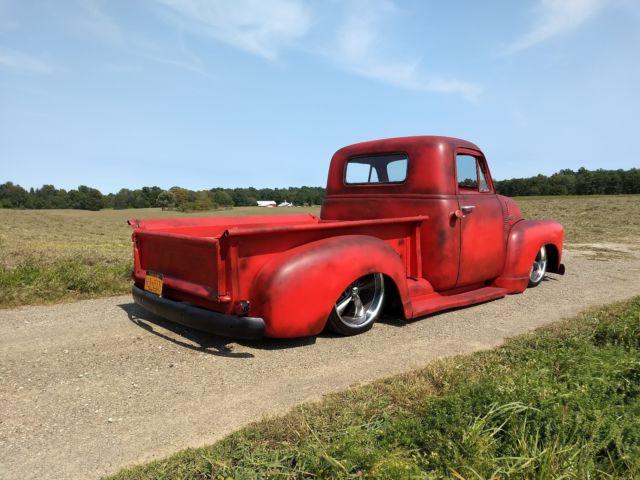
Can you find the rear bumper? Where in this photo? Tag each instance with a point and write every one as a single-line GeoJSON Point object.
{"type": "Point", "coordinates": [247, 328]}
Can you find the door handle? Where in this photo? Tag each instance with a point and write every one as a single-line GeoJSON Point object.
{"type": "Point", "coordinates": [467, 208]}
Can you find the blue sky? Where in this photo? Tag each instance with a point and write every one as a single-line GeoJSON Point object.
{"type": "Point", "coordinates": [260, 93]}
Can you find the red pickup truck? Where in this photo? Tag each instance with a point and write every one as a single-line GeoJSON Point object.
{"type": "Point", "coordinates": [409, 225]}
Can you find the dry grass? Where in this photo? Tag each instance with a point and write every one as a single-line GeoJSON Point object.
{"type": "Point", "coordinates": [47, 236]}
{"type": "Point", "coordinates": [52, 255]}
{"type": "Point", "coordinates": [602, 227]}
{"type": "Point", "coordinates": [590, 219]}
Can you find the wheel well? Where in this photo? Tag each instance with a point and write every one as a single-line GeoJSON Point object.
{"type": "Point", "coordinates": [392, 302]}
{"type": "Point", "coordinates": [552, 258]}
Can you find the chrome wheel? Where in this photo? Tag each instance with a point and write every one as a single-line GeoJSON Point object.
{"type": "Point", "coordinates": [539, 268]}
{"type": "Point", "coordinates": [359, 305]}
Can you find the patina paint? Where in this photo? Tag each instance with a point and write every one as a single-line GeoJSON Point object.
{"type": "Point", "coordinates": [438, 244]}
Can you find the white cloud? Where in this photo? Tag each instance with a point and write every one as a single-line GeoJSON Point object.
{"type": "Point", "coordinates": [93, 17]}
{"type": "Point", "coordinates": [174, 53]}
{"type": "Point", "coordinates": [260, 27]}
{"type": "Point", "coordinates": [362, 49]}
{"type": "Point", "coordinates": [555, 17]}
{"type": "Point", "coordinates": [357, 45]}
{"type": "Point", "coordinates": [15, 60]}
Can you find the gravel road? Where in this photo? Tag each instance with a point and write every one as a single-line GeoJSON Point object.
{"type": "Point", "coordinates": [89, 387]}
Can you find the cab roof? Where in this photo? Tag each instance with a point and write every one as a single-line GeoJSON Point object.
{"type": "Point", "coordinates": [406, 143]}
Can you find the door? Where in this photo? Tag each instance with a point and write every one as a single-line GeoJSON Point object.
{"type": "Point", "coordinates": [482, 243]}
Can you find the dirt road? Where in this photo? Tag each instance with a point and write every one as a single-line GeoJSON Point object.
{"type": "Point", "coordinates": [87, 388]}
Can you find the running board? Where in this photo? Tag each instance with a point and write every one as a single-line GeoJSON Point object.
{"type": "Point", "coordinates": [436, 302]}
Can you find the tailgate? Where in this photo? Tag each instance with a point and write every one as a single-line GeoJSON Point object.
{"type": "Point", "coordinates": [188, 264]}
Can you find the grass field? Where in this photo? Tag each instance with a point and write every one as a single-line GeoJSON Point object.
{"type": "Point", "coordinates": [48, 256]}
{"type": "Point", "coordinates": [562, 402]}
{"type": "Point", "coordinates": [590, 219]}
{"type": "Point", "coordinates": [59, 255]}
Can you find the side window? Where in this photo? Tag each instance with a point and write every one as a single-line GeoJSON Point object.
{"type": "Point", "coordinates": [484, 185]}
{"type": "Point", "coordinates": [472, 174]}
{"type": "Point", "coordinates": [467, 172]}
{"type": "Point", "coordinates": [376, 169]}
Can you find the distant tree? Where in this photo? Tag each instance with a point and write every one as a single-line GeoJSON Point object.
{"type": "Point", "coordinates": [166, 200]}
{"type": "Point", "coordinates": [222, 199]}
{"type": "Point", "coordinates": [569, 182]}
{"type": "Point", "coordinates": [244, 197]}
{"type": "Point", "coordinates": [197, 201]}
{"type": "Point", "coordinates": [181, 195]}
{"type": "Point", "coordinates": [48, 196]}
{"type": "Point", "coordinates": [107, 200]}
{"type": "Point", "coordinates": [139, 199]}
{"type": "Point", "coordinates": [631, 181]}
{"type": "Point", "coordinates": [123, 199]}
{"type": "Point", "coordinates": [150, 195]}
{"type": "Point", "coordinates": [13, 196]}
{"type": "Point", "coordinates": [85, 198]}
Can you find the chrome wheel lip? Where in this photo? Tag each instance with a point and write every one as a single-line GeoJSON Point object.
{"type": "Point", "coordinates": [539, 267]}
{"type": "Point", "coordinates": [365, 312]}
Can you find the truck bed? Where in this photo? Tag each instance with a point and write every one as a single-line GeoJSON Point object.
{"type": "Point", "coordinates": [212, 262]}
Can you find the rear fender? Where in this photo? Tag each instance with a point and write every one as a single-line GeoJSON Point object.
{"type": "Point", "coordinates": [525, 239]}
{"type": "Point", "coordinates": [295, 292]}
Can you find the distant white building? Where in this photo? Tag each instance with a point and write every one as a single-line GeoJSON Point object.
{"type": "Point", "coordinates": [267, 203]}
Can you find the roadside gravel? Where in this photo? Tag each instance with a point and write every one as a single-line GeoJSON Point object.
{"type": "Point", "coordinates": [89, 387]}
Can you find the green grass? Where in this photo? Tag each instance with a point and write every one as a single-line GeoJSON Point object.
{"type": "Point", "coordinates": [31, 282]}
{"type": "Point", "coordinates": [563, 402]}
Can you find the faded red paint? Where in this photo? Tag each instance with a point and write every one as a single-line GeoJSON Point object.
{"type": "Point", "coordinates": [292, 268]}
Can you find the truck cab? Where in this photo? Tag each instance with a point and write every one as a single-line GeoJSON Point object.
{"type": "Point", "coordinates": [445, 179]}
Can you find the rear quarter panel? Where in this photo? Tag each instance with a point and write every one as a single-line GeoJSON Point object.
{"type": "Point", "coordinates": [295, 292]}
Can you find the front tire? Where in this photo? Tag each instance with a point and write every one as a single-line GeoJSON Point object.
{"type": "Point", "coordinates": [539, 268]}
{"type": "Point", "coordinates": [359, 306]}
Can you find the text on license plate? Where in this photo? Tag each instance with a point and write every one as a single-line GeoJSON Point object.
{"type": "Point", "coordinates": [153, 283]}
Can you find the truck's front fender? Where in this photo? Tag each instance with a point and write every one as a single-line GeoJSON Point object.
{"type": "Point", "coordinates": [525, 239]}
{"type": "Point", "coordinates": [295, 292]}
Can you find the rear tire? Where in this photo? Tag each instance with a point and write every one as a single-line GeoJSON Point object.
{"type": "Point", "coordinates": [359, 306]}
{"type": "Point", "coordinates": [539, 268]}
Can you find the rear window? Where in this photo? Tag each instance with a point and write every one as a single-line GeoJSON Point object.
{"type": "Point", "coordinates": [376, 169]}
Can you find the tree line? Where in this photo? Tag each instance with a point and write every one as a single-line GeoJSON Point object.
{"type": "Point", "coordinates": [565, 182]}
{"type": "Point", "coordinates": [568, 182]}
{"type": "Point", "coordinates": [87, 198]}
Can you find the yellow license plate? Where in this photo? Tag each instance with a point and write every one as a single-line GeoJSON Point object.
{"type": "Point", "coordinates": [153, 283]}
